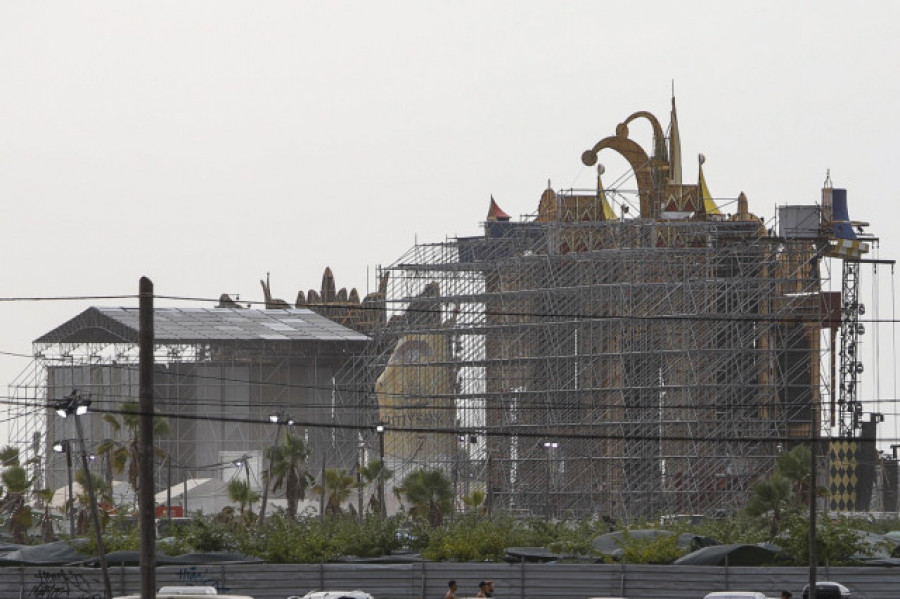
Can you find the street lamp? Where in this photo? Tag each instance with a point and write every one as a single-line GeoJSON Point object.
{"type": "Point", "coordinates": [76, 405]}
{"type": "Point", "coordinates": [549, 446]}
{"type": "Point", "coordinates": [65, 447]}
{"type": "Point", "coordinates": [71, 404]}
{"type": "Point", "coordinates": [276, 419]}
{"type": "Point", "coordinates": [470, 441]}
{"type": "Point", "coordinates": [380, 430]}
{"type": "Point", "coordinates": [360, 460]}
{"type": "Point", "coordinates": [243, 462]}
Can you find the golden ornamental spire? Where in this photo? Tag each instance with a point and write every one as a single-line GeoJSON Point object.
{"type": "Point", "coordinates": [674, 148]}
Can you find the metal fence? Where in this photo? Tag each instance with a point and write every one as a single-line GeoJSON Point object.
{"type": "Point", "coordinates": [428, 580]}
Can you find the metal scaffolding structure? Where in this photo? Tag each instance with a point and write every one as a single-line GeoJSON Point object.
{"type": "Point", "coordinates": [626, 360]}
{"type": "Point", "coordinates": [658, 371]}
{"type": "Point", "coordinates": [219, 374]}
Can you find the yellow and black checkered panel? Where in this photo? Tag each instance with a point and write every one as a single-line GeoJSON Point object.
{"type": "Point", "coordinates": [842, 474]}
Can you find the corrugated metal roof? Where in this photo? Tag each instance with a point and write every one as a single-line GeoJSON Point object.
{"type": "Point", "coordinates": [187, 325]}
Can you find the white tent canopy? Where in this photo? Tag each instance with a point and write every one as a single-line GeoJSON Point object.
{"type": "Point", "coordinates": [121, 491]}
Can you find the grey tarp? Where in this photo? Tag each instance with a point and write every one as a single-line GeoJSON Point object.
{"type": "Point", "coordinates": [132, 558]}
{"type": "Point", "coordinates": [728, 555]}
{"type": "Point", "coordinates": [393, 558]}
{"type": "Point", "coordinates": [62, 553]}
{"type": "Point", "coordinates": [877, 546]}
{"type": "Point", "coordinates": [530, 554]}
{"type": "Point", "coordinates": [884, 562]}
{"type": "Point", "coordinates": [893, 535]}
{"type": "Point", "coordinates": [57, 553]}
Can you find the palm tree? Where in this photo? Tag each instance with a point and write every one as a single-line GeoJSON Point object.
{"type": "Point", "coordinates": [239, 491]}
{"type": "Point", "coordinates": [337, 487]}
{"type": "Point", "coordinates": [102, 494]}
{"type": "Point", "coordinates": [46, 497]}
{"type": "Point", "coordinates": [795, 465]}
{"type": "Point", "coordinates": [375, 473]}
{"type": "Point", "coordinates": [430, 494]}
{"type": "Point", "coordinates": [289, 470]}
{"type": "Point", "coordinates": [475, 501]}
{"type": "Point", "coordinates": [125, 453]}
{"type": "Point", "coordinates": [16, 484]}
{"type": "Point", "coordinates": [771, 497]}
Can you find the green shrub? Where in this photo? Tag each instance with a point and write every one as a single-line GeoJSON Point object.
{"type": "Point", "coordinates": [475, 538]}
{"type": "Point", "coordinates": [836, 541]}
{"type": "Point", "coordinates": [576, 538]}
{"type": "Point", "coordinates": [373, 537]}
{"type": "Point", "coordinates": [660, 550]}
{"type": "Point", "coordinates": [206, 535]}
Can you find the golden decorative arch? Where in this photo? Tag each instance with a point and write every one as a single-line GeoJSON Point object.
{"type": "Point", "coordinates": [645, 169]}
{"type": "Point", "coordinates": [659, 138]}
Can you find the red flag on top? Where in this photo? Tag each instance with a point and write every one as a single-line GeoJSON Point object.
{"type": "Point", "coordinates": [495, 213]}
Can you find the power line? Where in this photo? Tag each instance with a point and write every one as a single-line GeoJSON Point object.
{"type": "Point", "coordinates": [547, 430]}
{"type": "Point", "coordinates": [66, 298]}
{"type": "Point", "coordinates": [16, 355]}
{"type": "Point", "coordinates": [750, 318]}
{"type": "Point", "coordinates": [484, 398]}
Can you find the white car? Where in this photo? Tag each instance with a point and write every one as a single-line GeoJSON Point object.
{"type": "Point", "coordinates": [334, 595]}
{"type": "Point", "coordinates": [735, 595]}
{"type": "Point", "coordinates": [185, 592]}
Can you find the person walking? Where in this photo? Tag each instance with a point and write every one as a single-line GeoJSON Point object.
{"type": "Point", "coordinates": [451, 591]}
{"type": "Point", "coordinates": [485, 588]}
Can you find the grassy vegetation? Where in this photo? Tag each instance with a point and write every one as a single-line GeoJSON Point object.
{"type": "Point", "coordinates": [476, 537]}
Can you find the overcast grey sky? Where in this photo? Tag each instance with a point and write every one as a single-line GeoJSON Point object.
{"type": "Point", "coordinates": [204, 144]}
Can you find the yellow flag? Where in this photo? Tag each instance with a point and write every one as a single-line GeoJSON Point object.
{"type": "Point", "coordinates": [608, 213]}
{"type": "Point", "coordinates": [709, 206]}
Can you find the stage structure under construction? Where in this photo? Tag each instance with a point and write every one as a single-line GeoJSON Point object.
{"type": "Point", "coordinates": [225, 379]}
{"type": "Point", "coordinates": [619, 353]}
{"type": "Point", "coordinates": [615, 354]}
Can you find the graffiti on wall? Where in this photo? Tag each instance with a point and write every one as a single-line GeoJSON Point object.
{"type": "Point", "coordinates": [61, 584]}
{"type": "Point", "coordinates": [196, 576]}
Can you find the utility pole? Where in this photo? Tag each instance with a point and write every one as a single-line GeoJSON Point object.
{"type": "Point", "coordinates": [813, 554]}
{"type": "Point", "coordinates": [95, 516]}
{"type": "Point", "coordinates": [145, 441]}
